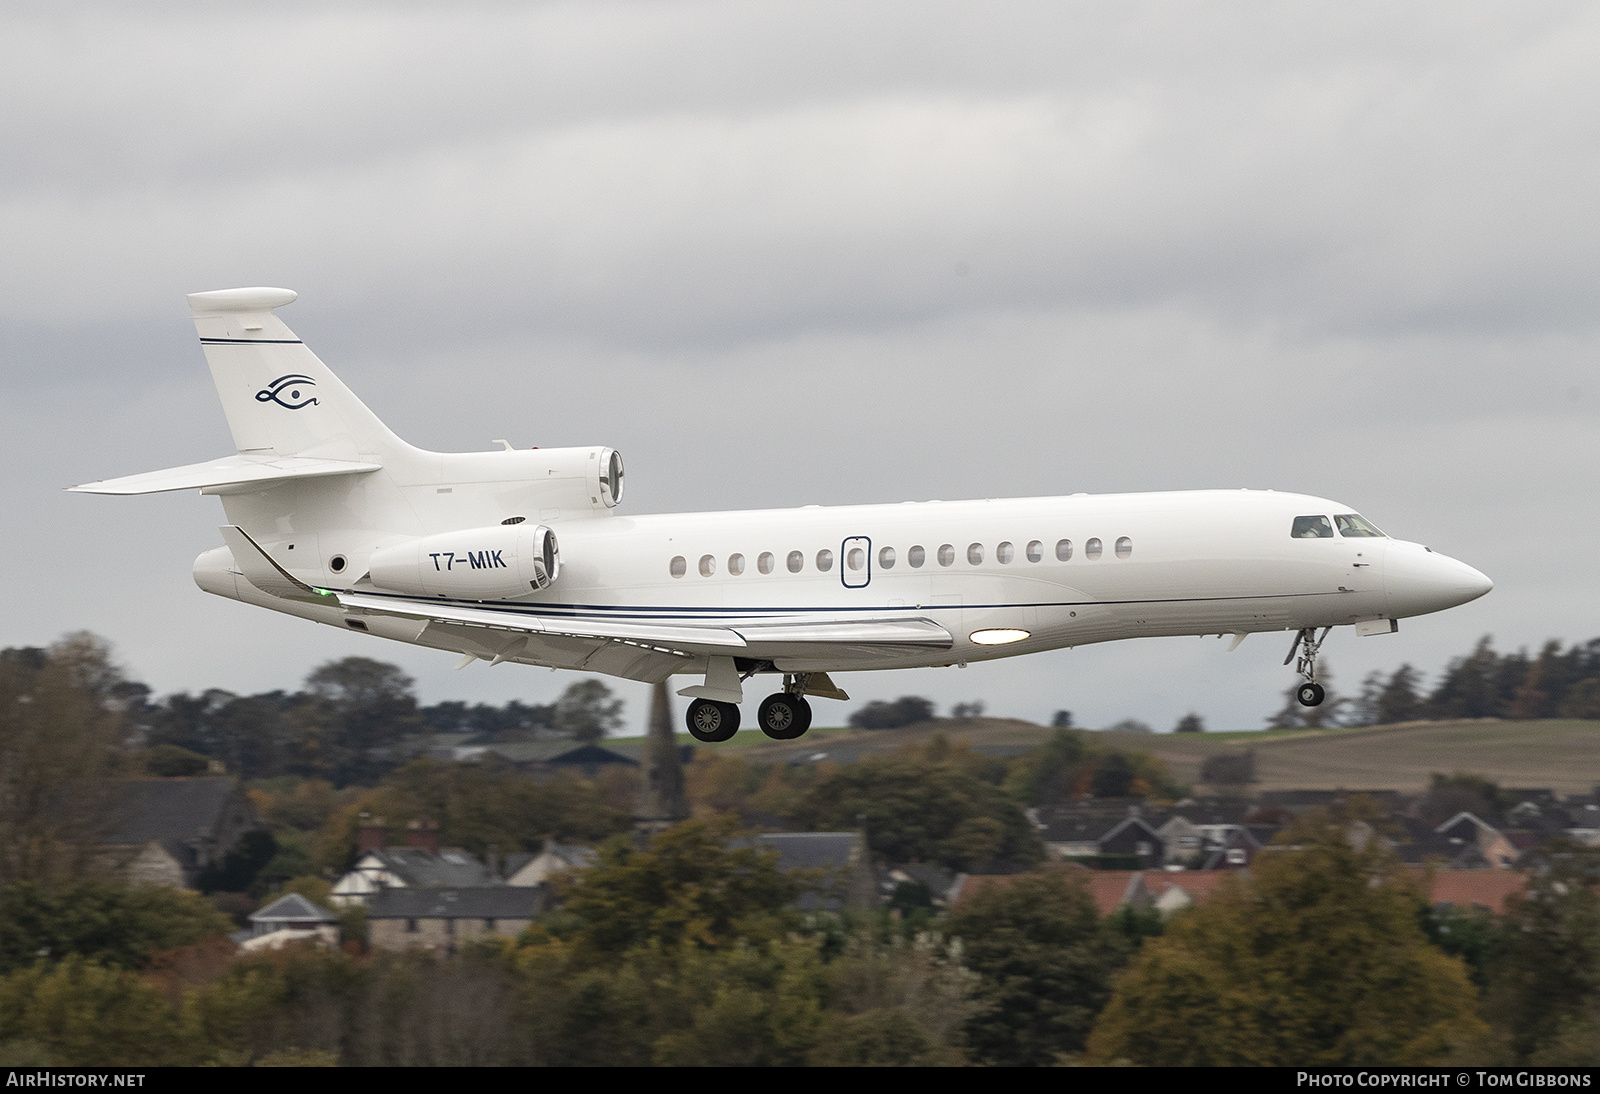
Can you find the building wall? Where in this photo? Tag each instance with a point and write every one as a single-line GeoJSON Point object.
{"type": "Point", "coordinates": [435, 934]}
{"type": "Point", "coordinates": [152, 865]}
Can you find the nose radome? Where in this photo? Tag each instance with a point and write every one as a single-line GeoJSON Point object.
{"type": "Point", "coordinates": [1420, 581]}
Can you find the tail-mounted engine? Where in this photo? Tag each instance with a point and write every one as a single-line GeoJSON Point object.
{"type": "Point", "coordinates": [495, 563]}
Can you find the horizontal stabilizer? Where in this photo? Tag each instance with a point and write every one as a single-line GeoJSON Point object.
{"type": "Point", "coordinates": [245, 471]}
{"type": "Point", "coordinates": [260, 570]}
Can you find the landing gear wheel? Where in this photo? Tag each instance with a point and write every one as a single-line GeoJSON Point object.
{"type": "Point", "coordinates": [783, 717]}
{"type": "Point", "coordinates": [1310, 695]}
{"type": "Point", "coordinates": [711, 721]}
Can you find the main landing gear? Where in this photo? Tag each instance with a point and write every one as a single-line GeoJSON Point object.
{"type": "Point", "coordinates": [710, 721]}
{"type": "Point", "coordinates": [1307, 643]}
{"type": "Point", "coordinates": [783, 716]}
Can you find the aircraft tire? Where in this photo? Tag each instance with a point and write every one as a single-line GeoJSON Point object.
{"type": "Point", "coordinates": [1310, 695]}
{"type": "Point", "coordinates": [710, 721]}
{"type": "Point", "coordinates": [783, 717]}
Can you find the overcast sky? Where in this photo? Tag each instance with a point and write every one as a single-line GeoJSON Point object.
{"type": "Point", "coordinates": [785, 253]}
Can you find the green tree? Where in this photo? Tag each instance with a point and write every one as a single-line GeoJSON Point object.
{"type": "Point", "coordinates": [1318, 960]}
{"type": "Point", "coordinates": [111, 925]}
{"type": "Point", "coordinates": [61, 722]}
{"type": "Point", "coordinates": [920, 808]}
{"type": "Point", "coordinates": [357, 709]}
{"type": "Point", "coordinates": [1043, 963]}
{"type": "Point", "coordinates": [1543, 972]}
{"type": "Point", "coordinates": [696, 883]}
{"type": "Point", "coordinates": [81, 1014]}
{"type": "Point", "coordinates": [477, 806]}
{"type": "Point", "coordinates": [587, 711]}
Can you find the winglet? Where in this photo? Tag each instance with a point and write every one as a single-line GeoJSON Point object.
{"type": "Point", "coordinates": [259, 568]}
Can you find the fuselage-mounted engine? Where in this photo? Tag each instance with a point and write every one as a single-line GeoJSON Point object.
{"type": "Point", "coordinates": [494, 563]}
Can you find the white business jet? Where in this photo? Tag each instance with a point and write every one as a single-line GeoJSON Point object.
{"type": "Point", "coordinates": [334, 519]}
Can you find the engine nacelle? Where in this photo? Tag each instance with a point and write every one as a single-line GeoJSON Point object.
{"type": "Point", "coordinates": [494, 563]}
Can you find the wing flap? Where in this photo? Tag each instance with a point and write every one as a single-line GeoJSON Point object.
{"type": "Point", "coordinates": [235, 471]}
{"type": "Point", "coordinates": [889, 635]}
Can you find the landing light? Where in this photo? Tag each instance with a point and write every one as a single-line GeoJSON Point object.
{"type": "Point", "coordinates": [998, 636]}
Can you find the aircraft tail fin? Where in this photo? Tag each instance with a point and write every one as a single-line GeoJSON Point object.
{"type": "Point", "coordinates": [276, 393]}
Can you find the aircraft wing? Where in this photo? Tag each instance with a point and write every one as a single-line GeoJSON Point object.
{"type": "Point", "coordinates": [682, 638]}
{"type": "Point", "coordinates": [862, 638]}
{"type": "Point", "coordinates": [245, 471]}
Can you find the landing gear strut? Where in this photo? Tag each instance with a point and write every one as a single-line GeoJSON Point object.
{"type": "Point", "coordinates": [711, 721]}
{"type": "Point", "coordinates": [1310, 693]}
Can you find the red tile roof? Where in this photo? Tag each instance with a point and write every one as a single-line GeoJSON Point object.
{"type": "Point", "coordinates": [1484, 888]}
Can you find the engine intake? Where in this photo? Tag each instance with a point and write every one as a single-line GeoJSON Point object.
{"type": "Point", "coordinates": [495, 563]}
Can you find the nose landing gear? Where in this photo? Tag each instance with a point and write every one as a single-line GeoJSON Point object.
{"type": "Point", "coordinates": [1307, 643]}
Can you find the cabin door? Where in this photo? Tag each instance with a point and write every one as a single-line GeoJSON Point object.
{"type": "Point", "coordinates": [855, 557]}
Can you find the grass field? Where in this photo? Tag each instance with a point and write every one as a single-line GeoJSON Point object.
{"type": "Point", "coordinates": [1563, 755]}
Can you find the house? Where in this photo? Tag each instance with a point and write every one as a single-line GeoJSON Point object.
{"type": "Point", "coordinates": [1488, 889]}
{"type": "Point", "coordinates": [291, 918]}
{"type": "Point", "coordinates": [1087, 830]}
{"type": "Point", "coordinates": [169, 831]}
{"type": "Point", "coordinates": [527, 868]}
{"type": "Point", "coordinates": [419, 865]}
{"type": "Point", "coordinates": [848, 881]}
{"type": "Point", "coordinates": [1465, 828]}
{"type": "Point", "coordinates": [1299, 801]}
{"type": "Point", "coordinates": [548, 757]}
{"type": "Point", "coordinates": [942, 884]}
{"type": "Point", "coordinates": [1167, 891]}
{"type": "Point", "coordinates": [1229, 847]}
{"type": "Point", "coordinates": [442, 919]}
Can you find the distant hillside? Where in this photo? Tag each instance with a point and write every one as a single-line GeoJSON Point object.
{"type": "Point", "coordinates": [1563, 755]}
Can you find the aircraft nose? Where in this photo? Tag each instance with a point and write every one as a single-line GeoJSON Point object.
{"type": "Point", "coordinates": [1421, 581]}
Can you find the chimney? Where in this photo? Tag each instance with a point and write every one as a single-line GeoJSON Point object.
{"type": "Point", "coordinates": [370, 835]}
{"type": "Point", "coordinates": [423, 835]}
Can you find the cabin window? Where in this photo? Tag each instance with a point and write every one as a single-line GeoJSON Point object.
{"type": "Point", "coordinates": [1063, 550]}
{"type": "Point", "coordinates": [1124, 547]}
{"type": "Point", "coordinates": [1312, 527]}
{"type": "Point", "coordinates": [1354, 525]}
{"type": "Point", "coordinates": [1004, 553]}
{"type": "Point", "coordinates": [886, 558]}
{"type": "Point", "coordinates": [824, 560]}
{"type": "Point", "coordinates": [708, 565]}
{"type": "Point", "coordinates": [796, 562]}
{"type": "Point", "coordinates": [679, 566]}
{"type": "Point", "coordinates": [1035, 551]}
{"type": "Point", "coordinates": [974, 554]}
{"type": "Point", "coordinates": [916, 557]}
{"type": "Point", "coordinates": [765, 561]}
{"type": "Point", "coordinates": [411, 926]}
{"type": "Point", "coordinates": [1091, 549]}
{"type": "Point", "coordinates": [736, 565]}
{"type": "Point", "coordinates": [856, 559]}
{"type": "Point", "coordinates": [947, 555]}
{"type": "Point", "coordinates": [488, 924]}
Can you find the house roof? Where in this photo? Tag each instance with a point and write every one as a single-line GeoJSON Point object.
{"type": "Point", "coordinates": [559, 753]}
{"type": "Point", "coordinates": [421, 869]}
{"type": "Point", "coordinates": [168, 810]}
{"type": "Point", "coordinates": [293, 908]}
{"type": "Point", "coordinates": [474, 902]}
{"type": "Point", "coordinates": [1483, 888]}
{"type": "Point", "coordinates": [811, 850]}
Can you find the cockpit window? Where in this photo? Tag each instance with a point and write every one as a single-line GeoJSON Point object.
{"type": "Point", "coordinates": [1356, 526]}
{"type": "Point", "coordinates": [1316, 527]}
